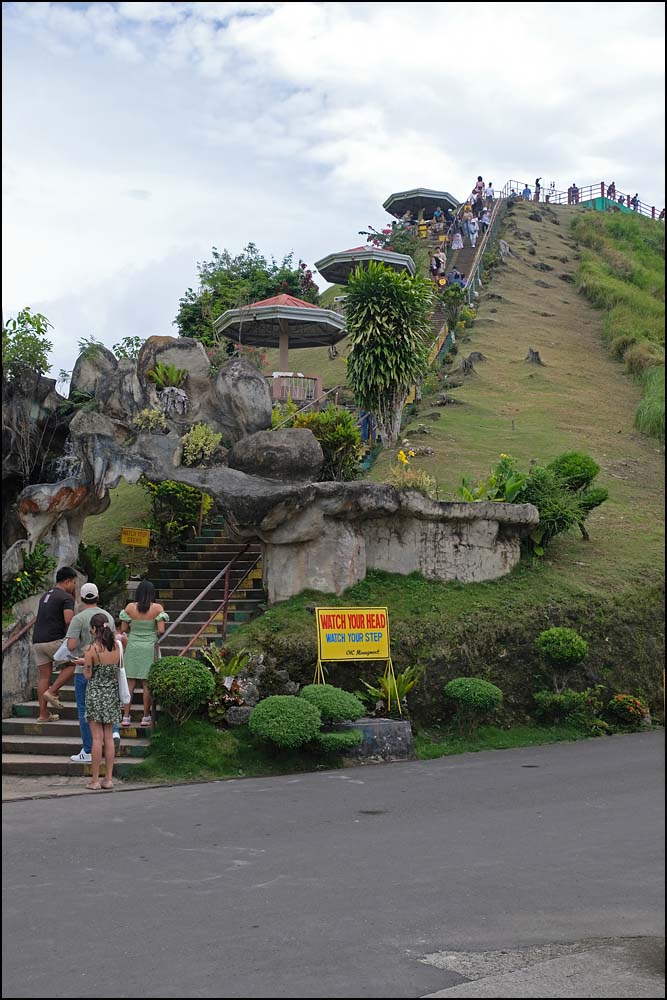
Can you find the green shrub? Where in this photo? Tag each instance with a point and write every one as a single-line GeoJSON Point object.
{"type": "Point", "coordinates": [334, 704]}
{"type": "Point", "coordinates": [340, 439]}
{"type": "Point", "coordinates": [339, 742]}
{"type": "Point", "coordinates": [150, 420]}
{"type": "Point", "coordinates": [563, 649]}
{"type": "Point", "coordinates": [286, 721]}
{"type": "Point", "coordinates": [650, 414]}
{"type": "Point", "coordinates": [559, 509]}
{"type": "Point", "coordinates": [568, 705]}
{"type": "Point", "coordinates": [474, 699]}
{"type": "Point", "coordinates": [128, 347]}
{"type": "Point", "coordinates": [166, 376]}
{"type": "Point", "coordinates": [31, 579]}
{"type": "Point", "coordinates": [283, 414]}
{"type": "Point", "coordinates": [467, 316]}
{"type": "Point", "coordinates": [180, 686]}
{"type": "Point", "coordinates": [25, 345]}
{"type": "Point", "coordinates": [621, 344]}
{"type": "Point", "coordinates": [199, 445]}
{"type": "Point", "coordinates": [575, 469]}
{"type": "Point", "coordinates": [405, 477]}
{"type": "Point", "coordinates": [628, 710]}
{"type": "Point", "coordinates": [642, 356]}
{"type": "Point", "coordinates": [504, 484]}
{"type": "Point", "coordinates": [174, 510]}
{"type": "Point", "coordinates": [108, 575]}
{"type": "Point", "coordinates": [383, 690]}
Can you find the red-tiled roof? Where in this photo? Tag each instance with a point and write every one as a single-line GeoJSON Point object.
{"type": "Point", "coordinates": [283, 300]}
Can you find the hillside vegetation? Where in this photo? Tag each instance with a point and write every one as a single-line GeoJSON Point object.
{"type": "Point", "coordinates": [622, 272]}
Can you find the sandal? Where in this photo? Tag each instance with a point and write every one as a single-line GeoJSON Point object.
{"type": "Point", "coordinates": [52, 699]}
{"type": "Point", "coordinates": [94, 787]}
{"type": "Point", "coordinates": [127, 721]}
{"type": "Point", "coordinates": [146, 721]}
{"type": "Point", "coordinates": [107, 787]}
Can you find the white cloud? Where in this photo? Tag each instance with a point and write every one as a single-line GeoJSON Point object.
{"type": "Point", "coordinates": [137, 135]}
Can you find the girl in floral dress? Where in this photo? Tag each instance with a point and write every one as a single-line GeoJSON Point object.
{"type": "Point", "coordinates": [100, 668]}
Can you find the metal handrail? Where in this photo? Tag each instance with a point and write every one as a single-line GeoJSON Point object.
{"type": "Point", "coordinates": [197, 599]}
{"type": "Point", "coordinates": [222, 607]}
{"type": "Point", "coordinates": [586, 193]}
{"type": "Point", "coordinates": [15, 636]}
{"type": "Point", "coordinates": [473, 277]}
{"type": "Point", "coordinates": [305, 406]}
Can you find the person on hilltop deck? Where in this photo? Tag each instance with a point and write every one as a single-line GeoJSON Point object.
{"type": "Point", "coordinates": [101, 663]}
{"type": "Point", "coordinates": [538, 188]}
{"type": "Point", "coordinates": [621, 199]}
{"type": "Point", "coordinates": [611, 191]}
{"type": "Point", "coordinates": [635, 202]}
{"type": "Point", "coordinates": [526, 193]}
{"type": "Point", "coordinates": [145, 620]}
{"type": "Point", "coordinates": [575, 194]}
{"type": "Point", "coordinates": [479, 186]}
{"type": "Point", "coordinates": [54, 613]}
{"type": "Point", "coordinates": [661, 217]}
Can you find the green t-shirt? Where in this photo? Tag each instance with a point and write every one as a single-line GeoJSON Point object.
{"type": "Point", "coordinates": [79, 628]}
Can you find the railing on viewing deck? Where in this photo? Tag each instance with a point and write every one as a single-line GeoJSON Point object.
{"type": "Point", "coordinates": [588, 193]}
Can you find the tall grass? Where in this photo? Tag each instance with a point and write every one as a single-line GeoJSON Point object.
{"type": "Point", "coordinates": [622, 272]}
{"type": "Point", "coordinates": [650, 415]}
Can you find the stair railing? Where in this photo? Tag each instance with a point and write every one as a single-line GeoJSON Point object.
{"type": "Point", "coordinates": [224, 572]}
{"type": "Point", "coordinates": [589, 192]}
{"type": "Point", "coordinates": [15, 636]}
{"type": "Point", "coordinates": [476, 267]}
{"type": "Point", "coordinates": [308, 405]}
{"type": "Point", "coordinates": [223, 606]}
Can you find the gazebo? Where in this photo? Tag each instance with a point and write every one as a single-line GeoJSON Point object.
{"type": "Point", "coordinates": [283, 321]}
{"type": "Point", "coordinates": [337, 267]}
{"type": "Point", "coordinates": [421, 201]}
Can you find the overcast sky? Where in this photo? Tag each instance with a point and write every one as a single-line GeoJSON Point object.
{"type": "Point", "coordinates": [139, 135]}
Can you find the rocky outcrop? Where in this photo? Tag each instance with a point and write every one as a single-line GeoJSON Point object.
{"type": "Point", "coordinates": [243, 400]}
{"type": "Point", "coordinates": [291, 453]}
{"type": "Point", "coordinates": [94, 366]}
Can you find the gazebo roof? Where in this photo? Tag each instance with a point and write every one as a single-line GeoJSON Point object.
{"type": "Point", "coordinates": [420, 198]}
{"type": "Point", "coordinates": [260, 324]}
{"type": "Point", "coordinates": [337, 267]}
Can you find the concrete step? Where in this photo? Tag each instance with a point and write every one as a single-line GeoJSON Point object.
{"type": "Point", "coordinates": [30, 710]}
{"type": "Point", "coordinates": [17, 726]}
{"type": "Point", "coordinates": [65, 745]}
{"type": "Point", "coordinates": [34, 764]}
{"type": "Point", "coordinates": [203, 571]}
{"type": "Point", "coordinates": [68, 697]}
{"type": "Point", "coordinates": [188, 594]}
{"type": "Point", "coordinates": [176, 605]}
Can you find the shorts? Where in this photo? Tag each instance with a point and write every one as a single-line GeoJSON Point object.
{"type": "Point", "coordinates": [43, 652]}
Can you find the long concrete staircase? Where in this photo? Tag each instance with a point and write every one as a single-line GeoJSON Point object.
{"type": "Point", "coordinates": [33, 748]}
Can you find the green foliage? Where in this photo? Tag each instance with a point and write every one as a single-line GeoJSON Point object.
{"type": "Point", "coordinates": [650, 414]}
{"type": "Point", "coordinates": [568, 705]}
{"type": "Point", "coordinates": [642, 356]}
{"type": "Point", "coordinates": [340, 438]}
{"type": "Point", "coordinates": [174, 510]}
{"type": "Point", "coordinates": [339, 742]}
{"type": "Point", "coordinates": [128, 347]}
{"type": "Point", "coordinates": [286, 721]}
{"type": "Point", "coordinates": [33, 578]}
{"type": "Point", "coordinates": [453, 300]}
{"type": "Point", "coordinates": [467, 316]}
{"type": "Point", "coordinates": [253, 355]}
{"type": "Point", "coordinates": [150, 420]}
{"type": "Point", "coordinates": [564, 649]}
{"type": "Point", "coordinates": [628, 710]}
{"type": "Point", "coordinates": [406, 477]}
{"type": "Point", "coordinates": [559, 509]}
{"type": "Point", "coordinates": [81, 400]}
{"type": "Point", "coordinates": [180, 686]}
{"type": "Point", "coordinates": [334, 704]}
{"type": "Point", "coordinates": [227, 282]}
{"type": "Point", "coordinates": [108, 575]}
{"type": "Point", "coordinates": [282, 414]}
{"type": "Point", "coordinates": [89, 347]}
{"type": "Point", "coordinates": [223, 666]}
{"type": "Point", "coordinates": [575, 469]}
{"type": "Point", "coordinates": [383, 690]}
{"type": "Point", "coordinates": [25, 345]}
{"type": "Point", "coordinates": [388, 321]}
{"type": "Point", "coordinates": [166, 376]}
{"type": "Point", "coordinates": [504, 484]}
{"type": "Point", "coordinates": [199, 445]}
{"type": "Point", "coordinates": [474, 699]}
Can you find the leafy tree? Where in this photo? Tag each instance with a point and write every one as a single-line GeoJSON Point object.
{"type": "Point", "coordinates": [387, 315]}
{"type": "Point", "coordinates": [25, 345]}
{"type": "Point", "coordinates": [227, 282]}
{"type": "Point", "coordinates": [128, 347]}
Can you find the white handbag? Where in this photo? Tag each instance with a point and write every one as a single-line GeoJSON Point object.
{"type": "Point", "coordinates": [123, 688]}
{"type": "Point", "coordinates": [63, 654]}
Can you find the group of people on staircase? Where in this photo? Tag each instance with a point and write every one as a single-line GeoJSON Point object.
{"type": "Point", "coordinates": [103, 662]}
{"type": "Point", "coordinates": [473, 219]}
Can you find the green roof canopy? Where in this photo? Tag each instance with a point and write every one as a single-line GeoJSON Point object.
{"type": "Point", "coordinates": [418, 200]}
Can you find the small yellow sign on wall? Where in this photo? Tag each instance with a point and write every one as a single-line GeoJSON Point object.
{"type": "Point", "coordinates": [352, 633]}
{"type": "Point", "coordinates": [139, 537]}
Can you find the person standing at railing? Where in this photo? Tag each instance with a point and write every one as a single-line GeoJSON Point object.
{"type": "Point", "coordinates": [661, 217]}
{"type": "Point", "coordinates": [526, 193]}
{"type": "Point", "coordinates": [611, 191]}
{"type": "Point", "coordinates": [145, 620]}
{"type": "Point", "coordinates": [635, 202]}
{"type": "Point", "coordinates": [537, 188]}
{"type": "Point", "coordinates": [552, 191]}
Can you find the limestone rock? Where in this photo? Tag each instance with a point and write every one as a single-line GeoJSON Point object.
{"type": "Point", "coordinates": [183, 352]}
{"type": "Point", "coordinates": [91, 369]}
{"type": "Point", "coordinates": [242, 400]}
{"type": "Point", "coordinates": [291, 453]}
{"type": "Point", "coordinates": [238, 715]}
{"type": "Point", "coordinates": [120, 393]}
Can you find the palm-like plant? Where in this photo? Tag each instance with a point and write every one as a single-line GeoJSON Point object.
{"type": "Point", "coordinates": [387, 316]}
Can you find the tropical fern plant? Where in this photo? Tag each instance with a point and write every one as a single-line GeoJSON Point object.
{"type": "Point", "coordinates": [166, 376]}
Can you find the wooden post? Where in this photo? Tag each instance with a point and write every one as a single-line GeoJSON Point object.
{"type": "Point", "coordinates": [201, 514]}
{"type": "Point", "coordinates": [284, 346]}
{"type": "Point", "coordinates": [653, 212]}
{"type": "Point", "coordinates": [602, 189]}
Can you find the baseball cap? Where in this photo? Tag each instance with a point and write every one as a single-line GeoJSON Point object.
{"type": "Point", "coordinates": [89, 592]}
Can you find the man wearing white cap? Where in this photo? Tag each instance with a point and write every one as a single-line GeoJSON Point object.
{"type": "Point", "coordinates": [78, 639]}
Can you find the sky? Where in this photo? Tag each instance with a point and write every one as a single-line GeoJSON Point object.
{"type": "Point", "coordinates": [137, 136]}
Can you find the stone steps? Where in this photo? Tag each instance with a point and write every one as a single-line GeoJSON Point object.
{"type": "Point", "coordinates": [64, 745]}
{"type": "Point", "coordinates": [46, 764]}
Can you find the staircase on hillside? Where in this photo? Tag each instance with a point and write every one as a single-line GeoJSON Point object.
{"type": "Point", "coordinates": [32, 748]}
{"type": "Point", "coordinates": [180, 580]}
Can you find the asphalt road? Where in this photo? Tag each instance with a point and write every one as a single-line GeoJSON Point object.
{"type": "Point", "coordinates": [335, 884]}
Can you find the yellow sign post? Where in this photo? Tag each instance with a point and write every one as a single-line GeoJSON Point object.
{"type": "Point", "coordinates": [137, 538]}
{"type": "Point", "coordinates": [353, 635]}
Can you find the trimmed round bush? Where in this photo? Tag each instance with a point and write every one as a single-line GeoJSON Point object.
{"type": "Point", "coordinates": [339, 742]}
{"type": "Point", "coordinates": [474, 699]}
{"type": "Point", "coordinates": [575, 469]}
{"type": "Point", "coordinates": [563, 647]}
{"type": "Point", "coordinates": [180, 686]}
{"type": "Point", "coordinates": [334, 704]}
{"type": "Point", "coordinates": [285, 720]}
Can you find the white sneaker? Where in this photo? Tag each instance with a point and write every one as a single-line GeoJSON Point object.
{"type": "Point", "coordinates": [82, 757]}
{"type": "Point", "coordinates": [116, 736]}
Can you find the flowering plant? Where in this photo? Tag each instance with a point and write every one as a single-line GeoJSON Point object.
{"type": "Point", "coordinates": [37, 567]}
{"type": "Point", "coordinates": [403, 476]}
{"type": "Point", "coordinates": [628, 710]}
